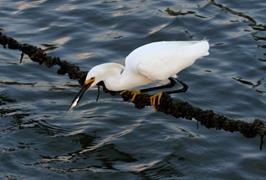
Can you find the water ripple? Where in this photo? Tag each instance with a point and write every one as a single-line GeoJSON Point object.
{"type": "Point", "coordinates": [110, 138]}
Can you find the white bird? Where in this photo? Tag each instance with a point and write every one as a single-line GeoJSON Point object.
{"type": "Point", "coordinates": [152, 62]}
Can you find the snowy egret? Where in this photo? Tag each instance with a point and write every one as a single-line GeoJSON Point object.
{"type": "Point", "coordinates": [157, 61]}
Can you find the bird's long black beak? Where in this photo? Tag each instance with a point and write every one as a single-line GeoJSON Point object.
{"type": "Point", "coordinates": [78, 97]}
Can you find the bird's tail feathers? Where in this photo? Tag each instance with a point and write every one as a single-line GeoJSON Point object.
{"type": "Point", "coordinates": [203, 47]}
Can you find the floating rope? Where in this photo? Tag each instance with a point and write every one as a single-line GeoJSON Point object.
{"type": "Point", "coordinates": [176, 108]}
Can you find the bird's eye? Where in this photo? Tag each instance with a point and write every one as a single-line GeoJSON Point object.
{"type": "Point", "coordinates": [93, 78]}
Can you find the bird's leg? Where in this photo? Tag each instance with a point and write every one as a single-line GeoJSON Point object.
{"type": "Point", "coordinates": [183, 89]}
{"type": "Point", "coordinates": [134, 93]}
{"type": "Point", "coordinates": [173, 82]}
{"type": "Point", "coordinates": [155, 100]}
{"type": "Point", "coordinates": [170, 84]}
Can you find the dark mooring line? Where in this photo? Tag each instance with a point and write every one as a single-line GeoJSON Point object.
{"type": "Point", "coordinates": [176, 108]}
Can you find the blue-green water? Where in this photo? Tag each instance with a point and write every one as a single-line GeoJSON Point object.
{"type": "Point", "coordinates": [110, 139]}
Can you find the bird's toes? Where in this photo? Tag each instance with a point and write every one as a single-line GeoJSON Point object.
{"type": "Point", "coordinates": [134, 94]}
{"type": "Point", "coordinates": [123, 92]}
{"type": "Point", "coordinates": [155, 100]}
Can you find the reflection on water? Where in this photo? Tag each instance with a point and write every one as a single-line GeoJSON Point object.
{"type": "Point", "coordinates": [110, 138]}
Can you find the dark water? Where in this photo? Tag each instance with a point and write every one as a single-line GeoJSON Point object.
{"type": "Point", "coordinates": [110, 139]}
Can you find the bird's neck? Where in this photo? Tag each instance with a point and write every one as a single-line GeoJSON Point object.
{"type": "Point", "coordinates": [124, 81]}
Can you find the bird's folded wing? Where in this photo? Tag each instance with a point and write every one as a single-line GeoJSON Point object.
{"type": "Point", "coordinates": [155, 70]}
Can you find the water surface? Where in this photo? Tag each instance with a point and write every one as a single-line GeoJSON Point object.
{"type": "Point", "coordinates": [110, 138]}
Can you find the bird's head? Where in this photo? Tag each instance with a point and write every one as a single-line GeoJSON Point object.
{"type": "Point", "coordinates": [94, 76]}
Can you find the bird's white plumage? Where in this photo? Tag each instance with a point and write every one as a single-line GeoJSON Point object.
{"type": "Point", "coordinates": [156, 61]}
{"type": "Point", "coordinates": [151, 62]}
{"type": "Point", "coordinates": [161, 60]}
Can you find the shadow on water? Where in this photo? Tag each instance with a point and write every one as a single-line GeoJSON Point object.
{"type": "Point", "coordinates": [89, 156]}
{"type": "Point", "coordinates": [103, 157]}
{"type": "Point", "coordinates": [104, 154]}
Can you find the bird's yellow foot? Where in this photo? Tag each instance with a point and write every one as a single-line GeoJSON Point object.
{"type": "Point", "coordinates": [133, 94]}
{"type": "Point", "coordinates": [155, 100]}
